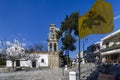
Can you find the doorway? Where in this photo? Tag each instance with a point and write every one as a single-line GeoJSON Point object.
{"type": "Point", "coordinates": [17, 63]}
{"type": "Point", "coordinates": [33, 63]}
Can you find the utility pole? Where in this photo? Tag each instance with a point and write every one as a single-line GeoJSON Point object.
{"type": "Point", "coordinates": [79, 58]}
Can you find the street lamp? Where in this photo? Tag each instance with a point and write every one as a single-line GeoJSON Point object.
{"type": "Point", "coordinates": [84, 41]}
{"type": "Point", "coordinates": [79, 55]}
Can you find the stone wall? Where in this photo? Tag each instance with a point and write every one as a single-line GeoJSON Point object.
{"type": "Point", "coordinates": [53, 61]}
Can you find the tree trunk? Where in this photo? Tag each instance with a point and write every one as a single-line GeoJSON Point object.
{"type": "Point", "coordinates": [13, 65]}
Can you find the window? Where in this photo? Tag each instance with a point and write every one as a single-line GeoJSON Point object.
{"type": "Point", "coordinates": [42, 60]}
{"type": "Point", "coordinates": [50, 47]}
{"type": "Point", "coordinates": [53, 36]}
{"type": "Point", "coordinates": [52, 30]}
{"type": "Point", "coordinates": [107, 44]}
{"type": "Point", "coordinates": [54, 46]}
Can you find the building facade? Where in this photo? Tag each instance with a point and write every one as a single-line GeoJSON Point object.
{"type": "Point", "coordinates": [110, 52]}
{"type": "Point", "coordinates": [42, 59]}
{"type": "Point", "coordinates": [93, 52]}
{"type": "Point", "coordinates": [107, 50]}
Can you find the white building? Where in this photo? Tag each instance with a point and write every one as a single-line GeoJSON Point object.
{"type": "Point", "coordinates": [82, 57]}
{"type": "Point", "coordinates": [110, 51]}
{"type": "Point", "coordinates": [41, 59]}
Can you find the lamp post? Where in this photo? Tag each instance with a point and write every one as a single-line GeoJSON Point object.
{"type": "Point", "coordinates": [79, 58]}
{"type": "Point", "coordinates": [84, 41]}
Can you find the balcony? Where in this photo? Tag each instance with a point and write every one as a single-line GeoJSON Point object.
{"type": "Point", "coordinates": [111, 48]}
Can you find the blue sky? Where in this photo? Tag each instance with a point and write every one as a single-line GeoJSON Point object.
{"type": "Point", "coordinates": [29, 20]}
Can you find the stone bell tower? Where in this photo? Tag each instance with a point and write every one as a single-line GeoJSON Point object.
{"type": "Point", "coordinates": [52, 43]}
{"type": "Point", "coordinates": [53, 48]}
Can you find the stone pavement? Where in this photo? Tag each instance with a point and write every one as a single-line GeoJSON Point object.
{"type": "Point", "coordinates": [86, 69]}
{"type": "Point", "coordinates": [48, 74]}
{"type": "Point", "coordinates": [44, 74]}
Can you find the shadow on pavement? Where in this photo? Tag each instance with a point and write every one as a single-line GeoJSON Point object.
{"type": "Point", "coordinates": [105, 71]}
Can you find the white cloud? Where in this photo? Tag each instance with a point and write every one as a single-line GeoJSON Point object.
{"type": "Point", "coordinates": [116, 17]}
{"type": "Point", "coordinates": [0, 41]}
{"type": "Point", "coordinates": [57, 29]}
{"type": "Point", "coordinates": [19, 34]}
{"type": "Point", "coordinates": [16, 41]}
{"type": "Point", "coordinates": [12, 35]}
{"type": "Point", "coordinates": [44, 42]}
{"type": "Point", "coordinates": [24, 39]}
{"type": "Point", "coordinates": [8, 43]}
{"type": "Point", "coordinates": [24, 44]}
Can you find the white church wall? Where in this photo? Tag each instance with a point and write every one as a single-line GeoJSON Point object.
{"type": "Point", "coordinates": [43, 60]}
{"type": "Point", "coordinates": [25, 63]}
{"type": "Point", "coordinates": [22, 63]}
{"type": "Point", "coordinates": [8, 63]}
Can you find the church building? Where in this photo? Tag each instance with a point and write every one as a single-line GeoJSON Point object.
{"type": "Point", "coordinates": [43, 59]}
